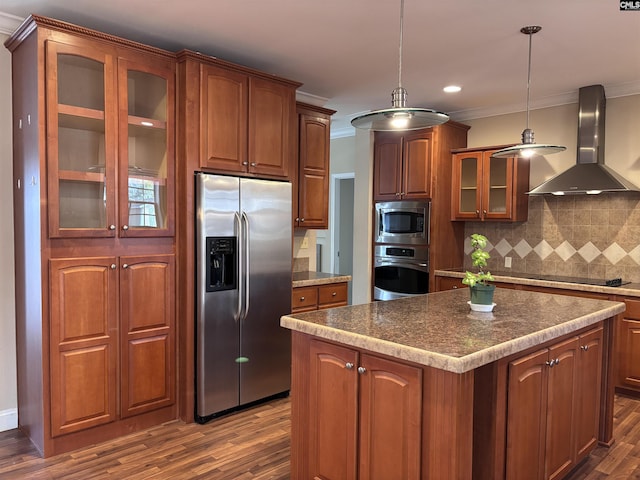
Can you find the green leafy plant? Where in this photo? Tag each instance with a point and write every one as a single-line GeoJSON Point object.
{"type": "Point", "coordinates": [479, 258]}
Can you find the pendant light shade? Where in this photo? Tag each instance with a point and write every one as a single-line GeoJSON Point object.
{"type": "Point", "coordinates": [399, 116]}
{"type": "Point", "coordinates": [529, 148]}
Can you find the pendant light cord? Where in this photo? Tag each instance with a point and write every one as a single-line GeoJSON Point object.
{"type": "Point", "coordinates": [400, 47]}
{"type": "Point", "coordinates": [529, 78]}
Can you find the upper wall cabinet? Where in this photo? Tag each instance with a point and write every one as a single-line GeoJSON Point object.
{"type": "Point", "coordinates": [311, 181]}
{"type": "Point", "coordinates": [247, 122]}
{"type": "Point", "coordinates": [402, 164]}
{"type": "Point", "coordinates": [488, 188]}
{"type": "Point", "coordinates": [111, 142]}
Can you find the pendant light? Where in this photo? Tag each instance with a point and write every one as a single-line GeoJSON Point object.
{"type": "Point", "coordinates": [528, 148]}
{"type": "Point", "coordinates": [399, 116]}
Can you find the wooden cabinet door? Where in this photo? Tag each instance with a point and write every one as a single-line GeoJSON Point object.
{"type": "Point", "coordinates": [146, 148]}
{"type": "Point", "coordinates": [387, 167]}
{"type": "Point", "coordinates": [83, 343]}
{"type": "Point", "coordinates": [313, 194]}
{"type": "Point", "coordinates": [223, 119]}
{"type": "Point", "coordinates": [390, 420]}
{"type": "Point", "coordinates": [81, 99]}
{"type": "Point", "coordinates": [333, 406]}
{"type": "Point", "coordinates": [629, 346]}
{"type": "Point", "coordinates": [526, 416]}
{"type": "Point", "coordinates": [272, 123]}
{"type": "Point", "coordinates": [466, 192]}
{"type": "Point", "coordinates": [560, 452]}
{"type": "Point", "coordinates": [588, 392]}
{"type": "Point", "coordinates": [416, 166]}
{"type": "Point", "coordinates": [497, 187]}
{"type": "Point", "coordinates": [148, 333]}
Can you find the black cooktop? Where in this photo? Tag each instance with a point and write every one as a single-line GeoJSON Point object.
{"type": "Point", "coordinates": [611, 282]}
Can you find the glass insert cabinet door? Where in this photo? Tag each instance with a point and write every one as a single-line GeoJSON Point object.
{"type": "Point", "coordinates": [81, 120]}
{"type": "Point", "coordinates": [146, 200]}
{"type": "Point", "coordinates": [468, 174]}
{"type": "Point", "coordinates": [110, 130]}
{"type": "Point", "coordinates": [497, 188]}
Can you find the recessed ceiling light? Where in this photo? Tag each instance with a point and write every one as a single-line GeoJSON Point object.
{"type": "Point", "coordinates": [452, 88]}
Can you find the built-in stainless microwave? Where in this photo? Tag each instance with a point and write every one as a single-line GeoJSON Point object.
{"type": "Point", "coordinates": [402, 222]}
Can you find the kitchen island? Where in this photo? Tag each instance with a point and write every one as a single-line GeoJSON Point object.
{"type": "Point", "coordinates": [423, 388]}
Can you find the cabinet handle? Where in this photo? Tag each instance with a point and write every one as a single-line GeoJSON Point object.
{"type": "Point", "coordinates": [125, 227]}
{"type": "Point", "coordinates": [398, 194]}
{"type": "Point", "coordinates": [113, 266]}
{"type": "Point", "coordinates": [552, 362]}
{"type": "Point", "coordinates": [302, 299]}
{"type": "Point", "coordinates": [297, 219]}
{"type": "Point", "coordinates": [302, 219]}
{"type": "Point", "coordinates": [484, 212]}
{"type": "Point", "coordinates": [112, 227]}
{"type": "Point", "coordinates": [253, 164]}
{"type": "Point", "coordinates": [455, 286]}
{"type": "Point", "coordinates": [361, 370]}
{"type": "Point", "coordinates": [477, 213]}
{"type": "Point", "coordinates": [584, 347]}
{"type": "Point", "coordinates": [334, 294]}
{"type": "Point", "coordinates": [245, 163]}
{"type": "Point", "coordinates": [126, 265]}
{"type": "Point", "coordinates": [348, 365]}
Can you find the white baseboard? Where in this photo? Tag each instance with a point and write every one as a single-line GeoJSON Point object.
{"type": "Point", "coordinates": [8, 419]}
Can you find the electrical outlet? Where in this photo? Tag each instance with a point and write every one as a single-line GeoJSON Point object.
{"type": "Point", "coordinates": [507, 262]}
{"type": "Point", "coordinates": [305, 243]}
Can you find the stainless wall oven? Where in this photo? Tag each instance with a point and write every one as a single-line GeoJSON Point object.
{"type": "Point", "coordinates": [402, 222]}
{"type": "Point", "coordinates": [400, 271]}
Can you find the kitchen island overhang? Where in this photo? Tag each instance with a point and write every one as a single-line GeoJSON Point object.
{"type": "Point", "coordinates": [451, 345]}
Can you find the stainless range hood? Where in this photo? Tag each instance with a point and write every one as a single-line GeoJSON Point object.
{"type": "Point", "coordinates": [590, 175]}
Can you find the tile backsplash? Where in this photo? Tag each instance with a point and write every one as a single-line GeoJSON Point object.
{"type": "Point", "coordinates": [594, 236]}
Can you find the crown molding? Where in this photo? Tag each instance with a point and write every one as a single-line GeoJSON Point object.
{"type": "Point", "coordinates": [9, 23]}
{"type": "Point", "coordinates": [311, 99]}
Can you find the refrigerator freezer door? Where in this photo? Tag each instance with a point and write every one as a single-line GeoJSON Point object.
{"type": "Point", "coordinates": [264, 345]}
{"type": "Point", "coordinates": [217, 319]}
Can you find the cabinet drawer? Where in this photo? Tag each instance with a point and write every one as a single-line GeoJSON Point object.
{"type": "Point", "coordinates": [304, 298]}
{"type": "Point", "coordinates": [332, 294]}
{"type": "Point", "coordinates": [633, 309]}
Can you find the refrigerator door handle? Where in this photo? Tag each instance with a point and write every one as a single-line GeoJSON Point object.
{"type": "Point", "coordinates": [237, 227]}
{"type": "Point", "coordinates": [245, 273]}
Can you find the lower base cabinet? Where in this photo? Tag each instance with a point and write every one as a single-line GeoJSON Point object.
{"type": "Point", "coordinates": [553, 407]}
{"type": "Point", "coordinates": [365, 420]}
{"type": "Point", "coordinates": [112, 352]}
{"type": "Point", "coordinates": [628, 341]}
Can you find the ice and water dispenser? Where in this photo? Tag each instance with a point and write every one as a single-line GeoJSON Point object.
{"type": "Point", "coordinates": [222, 270]}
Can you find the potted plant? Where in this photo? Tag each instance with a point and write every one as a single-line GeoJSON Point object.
{"type": "Point", "coordinates": [481, 290]}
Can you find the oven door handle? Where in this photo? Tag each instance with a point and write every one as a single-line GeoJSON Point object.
{"type": "Point", "coordinates": [387, 263]}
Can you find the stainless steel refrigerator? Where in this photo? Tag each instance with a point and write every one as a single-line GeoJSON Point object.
{"type": "Point", "coordinates": [243, 267]}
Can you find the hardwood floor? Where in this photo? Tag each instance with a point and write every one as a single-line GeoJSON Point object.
{"type": "Point", "coordinates": [253, 444]}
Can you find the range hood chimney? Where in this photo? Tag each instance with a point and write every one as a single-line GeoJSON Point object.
{"type": "Point", "coordinates": [589, 175]}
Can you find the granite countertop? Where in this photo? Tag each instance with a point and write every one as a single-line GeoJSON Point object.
{"type": "Point", "coordinates": [629, 290]}
{"type": "Point", "coordinates": [307, 279]}
{"type": "Point", "coordinates": [439, 330]}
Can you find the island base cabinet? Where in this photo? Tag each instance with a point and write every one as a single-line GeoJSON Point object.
{"type": "Point", "coordinates": [357, 415]}
{"type": "Point", "coordinates": [553, 407]}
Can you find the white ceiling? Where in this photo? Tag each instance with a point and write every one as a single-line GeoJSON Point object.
{"type": "Point", "coordinates": [346, 51]}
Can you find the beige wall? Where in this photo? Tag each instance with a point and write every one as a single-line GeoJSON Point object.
{"type": "Point", "coordinates": [8, 389]}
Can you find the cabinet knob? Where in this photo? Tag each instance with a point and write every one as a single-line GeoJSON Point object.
{"type": "Point", "coordinates": [484, 212]}
{"type": "Point", "coordinates": [477, 213]}
{"type": "Point", "coordinates": [245, 163]}
{"type": "Point", "coordinates": [112, 227]}
{"type": "Point", "coordinates": [125, 265]}
{"type": "Point", "coordinates": [584, 347]}
{"type": "Point", "coordinates": [361, 370]}
{"type": "Point", "coordinates": [550, 363]}
{"type": "Point", "coordinates": [297, 219]}
{"type": "Point", "coordinates": [254, 164]}
{"type": "Point", "coordinates": [348, 365]}
{"type": "Point", "coordinates": [302, 219]}
{"type": "Point", "coordinates": [455, 286]}
{"type": "Point", "coordinates": [333, 294]}
{"type": "Point", "coordinates": [125, 227]}
{"type": "Point", "coordinates": [302, 299]}
{"type": "Point", "coordinates": [398, 194]}
{"type": "Point", "coordinates": [113, 266]}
